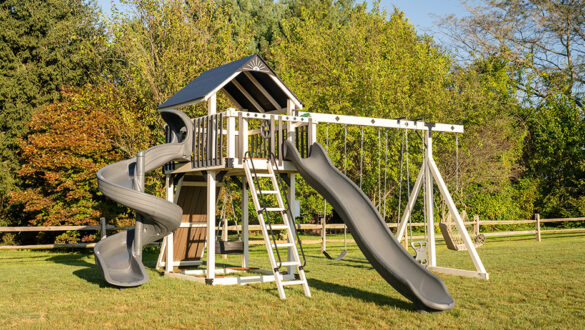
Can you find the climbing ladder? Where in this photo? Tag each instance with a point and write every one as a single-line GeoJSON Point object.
{"type": "Point", "coordinates": [266, 218]}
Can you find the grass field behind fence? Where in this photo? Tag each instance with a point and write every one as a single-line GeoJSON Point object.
{"type": "Point", "coordinates": [531, 285]}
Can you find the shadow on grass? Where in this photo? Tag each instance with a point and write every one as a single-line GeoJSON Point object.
{"type": "Point", "coordinates": [365, 296]}
{"type": "Point", "coordinates": [88, 272]}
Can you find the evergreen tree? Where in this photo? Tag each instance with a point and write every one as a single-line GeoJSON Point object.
{"type": "Point", "coordinates": [44, 45]}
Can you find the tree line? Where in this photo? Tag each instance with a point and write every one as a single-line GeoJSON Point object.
{"type": "Point", "coordinates": [79, 90]}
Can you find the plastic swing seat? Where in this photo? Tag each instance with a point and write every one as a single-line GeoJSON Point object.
{"type": "Point", "coordinates": [229, 247]}
{"type": "Point", "coordinates": [339, 257]}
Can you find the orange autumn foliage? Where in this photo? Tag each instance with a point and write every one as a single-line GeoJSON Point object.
{"type": "Point", "coordinates": [69, 141]}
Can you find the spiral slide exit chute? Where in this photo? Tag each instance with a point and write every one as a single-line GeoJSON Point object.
{"type": "Point", "coordinates": [119, 257]}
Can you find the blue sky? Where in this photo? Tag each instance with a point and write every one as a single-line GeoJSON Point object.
{"type": "Point", "coordinates": [422, 13]}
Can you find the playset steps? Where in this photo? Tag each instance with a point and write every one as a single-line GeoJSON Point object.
{"type": "Point", "coordinates": [265, 219]}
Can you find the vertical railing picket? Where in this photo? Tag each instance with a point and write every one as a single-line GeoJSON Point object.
{"type": "Point", "coordinates": [209, 141]}
{"type": "Point", "coordinates": [199, 150]}
{"type": "Point", "coordinates": [241, 134]}
{"type": "Point", "coordinates": [302, 142]}
{"type": "Point", "coordinates": [279, 142]}
{"type": "Point", "coordinates": [220, 142]}
{"type": "Point", "coordinates": [272, 135]}
{"type": "Point", "coordinates": [205, 140]}
{"type": "Point", "coordinates": [296, 134]}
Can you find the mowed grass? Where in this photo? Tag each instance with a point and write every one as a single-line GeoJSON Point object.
{"type": "Point", "coordinates": [531, 285]}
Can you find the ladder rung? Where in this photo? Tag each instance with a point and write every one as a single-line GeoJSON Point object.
{"type": "Point", "coordinates": [278, 227]}
{"type": "Point", "coordinates": [290, 263]}
{"type": "Point", "coordinates": [264, 175]}
{"type": "Point", "coordinates": [296, 282]}
{"type": "Point", "coordinates": [283, 245]}
{"type": "Point", "coordinates": [274, 209]}
{"type": "Point", "coordinates": [267, 192]}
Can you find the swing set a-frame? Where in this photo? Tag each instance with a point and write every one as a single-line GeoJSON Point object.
{"type": "Point", "coordinates": [428, 175]}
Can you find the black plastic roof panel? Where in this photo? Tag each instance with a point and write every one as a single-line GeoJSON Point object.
{"type": "Point", "coordinates": [248, 90]}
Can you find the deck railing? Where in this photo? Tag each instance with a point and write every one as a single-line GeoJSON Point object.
{"type": "Point", "coordinates": [228, 136]}
{"type": "Point", "coordinates": [208, 141]}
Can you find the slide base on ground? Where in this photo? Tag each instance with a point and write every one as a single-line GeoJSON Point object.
{"type": "Point", "coordinates": [380, 247]}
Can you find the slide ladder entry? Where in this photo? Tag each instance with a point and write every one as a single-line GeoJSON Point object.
{"type": "Point", "coordinates": [265, 220]}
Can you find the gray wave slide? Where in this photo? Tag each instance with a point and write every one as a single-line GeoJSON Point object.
{"type": "Point", "coordinates": [377, 243]}
{"type": "Point", "coordinates": [119, 257]}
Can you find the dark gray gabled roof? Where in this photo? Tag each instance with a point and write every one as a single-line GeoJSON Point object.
{"type": "Point", "coordinates": [248, 82]}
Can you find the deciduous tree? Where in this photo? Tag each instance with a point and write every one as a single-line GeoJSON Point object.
{"type": "Point", "coordinates": [44, 45]}
{"type": "Point", "coordinates": [69, 141]}
{"type": "Point", "coordinates": [543, 39]}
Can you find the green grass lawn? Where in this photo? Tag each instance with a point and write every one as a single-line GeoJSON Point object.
{"type": "Point", "coordinates": [531, 285]}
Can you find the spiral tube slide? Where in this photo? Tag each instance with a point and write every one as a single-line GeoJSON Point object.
{"type": "Point", "coordinates": [119, 257]}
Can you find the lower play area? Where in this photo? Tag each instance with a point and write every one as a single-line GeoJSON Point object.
{"type": "Point", "coordinates": [532, 284]}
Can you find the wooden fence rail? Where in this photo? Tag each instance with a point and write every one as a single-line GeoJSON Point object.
{"type": "Point", "coordinates": [476, 223]}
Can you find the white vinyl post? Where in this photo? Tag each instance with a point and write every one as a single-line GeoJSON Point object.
{"type": "Point", "coordinates": [290, 108]}
{"type": "Point", "coordinates": [242, 136]}
{"type": "Point", "coordinates": [231, 135]}
{"type": "Point", "coordinates": [312, 132]}
{"type": "Point", "coordinates": [169, 239]}
{"type": "Point", "coordinates": [429, 201]}
{"type": "Point", "coordinates": [293, 206]}
{"type": "Point", "coordinates": [290, 129]}
{"type": "Point", "coordinates": [211, 187]}
{"type": "Point", "coordinates": [212, 104]}
{"type": "Point", "coordinates": [245, 221]}
{"type": "Point", "coordinates": [211, 191]}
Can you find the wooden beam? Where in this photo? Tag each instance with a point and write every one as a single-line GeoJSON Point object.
{"type": "Point", "coordinates": [220, 86]}
{"type": "Point", "coordinates": [51, 228]}
{"type": "Point", "coordinates": [288, 93]}
{"type": "Point", "coordinates": [262, 90]}
{"type": "Point", "coordinates": [248, 96]}
{"type": "Point", "coordinates": [236, 104]}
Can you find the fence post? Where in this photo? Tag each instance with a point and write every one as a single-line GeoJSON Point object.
{"type": "Point", "coordinates": [103, 233]}
{"type": "Point", "coordinates": [476, 225]}
{"type": "Point", "coordinates": [537, 218]}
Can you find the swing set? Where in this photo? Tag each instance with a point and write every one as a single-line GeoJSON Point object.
{"type": "Point", "coordinates": [451, 226]}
